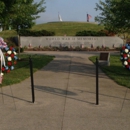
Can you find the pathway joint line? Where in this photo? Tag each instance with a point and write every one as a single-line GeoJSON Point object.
{"type": "Point", "coordinates": [2, 95]}
{"type": "Point", "coordinates": [124, 100]}
{"type": "Point", "coordinates": [13, 97]}
{"type": "Point", "coordinates": [62, 123]}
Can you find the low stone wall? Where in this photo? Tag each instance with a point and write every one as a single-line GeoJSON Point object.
{"type": "Point", "coordinates": [71, 41]}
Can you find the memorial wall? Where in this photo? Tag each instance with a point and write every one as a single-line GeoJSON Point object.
{"type": "Point", "coordinates": [72, 41]}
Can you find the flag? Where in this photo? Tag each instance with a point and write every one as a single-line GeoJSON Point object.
{"type": "Point", "coordinates": [88, 17]}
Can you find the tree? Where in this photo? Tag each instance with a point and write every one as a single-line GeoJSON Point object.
{"type": "Point", "coordinates": [20, 13]}
{"type": "Point", "coordinates": [4, 15]}
{"type": "Point", "coordinates": [1, 6]}
{"type": "Point", "coordinates": [26, 13]}
{"type": "Point", "coordinates": [115, 16]}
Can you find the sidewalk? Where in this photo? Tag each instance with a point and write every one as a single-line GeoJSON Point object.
{"type": "Point", "coordinates": [65, 98]}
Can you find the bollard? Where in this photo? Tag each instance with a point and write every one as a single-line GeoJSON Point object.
{"type": "Point", "coordinates": [32, 83]}
{"type": "Point", "coordinates": [97, 91]}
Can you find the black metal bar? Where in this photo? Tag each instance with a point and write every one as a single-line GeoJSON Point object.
{"type": "Point", "coordinates": [97, 90]}
{"type": "Point", "coordinates": [32, 82]}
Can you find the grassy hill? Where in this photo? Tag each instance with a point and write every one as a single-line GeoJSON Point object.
{"type": "Point", "coordinates": [60, 28]}
{"type": "Point", "coordinates": [68, 28]}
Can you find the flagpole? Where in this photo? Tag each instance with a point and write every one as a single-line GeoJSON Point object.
{"type": "Point", "coordinates": [87, 17]}
{"type": "Point", "coordinates": [58, 16]}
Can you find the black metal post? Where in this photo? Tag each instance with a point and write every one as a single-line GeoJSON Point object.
{"type": "Point", "coordinates": [32, 82]}
{"type": "Point", "coordinates": [97, 92]}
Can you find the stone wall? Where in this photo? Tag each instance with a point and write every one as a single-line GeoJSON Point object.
{"type": "Point", "coordinates": [72, 41]}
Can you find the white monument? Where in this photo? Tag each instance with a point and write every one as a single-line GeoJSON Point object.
{"type": "Point", "coordinates": [60, 19]}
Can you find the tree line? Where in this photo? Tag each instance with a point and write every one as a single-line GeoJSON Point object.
{"type": "Point", "coordinates": [115, 16]}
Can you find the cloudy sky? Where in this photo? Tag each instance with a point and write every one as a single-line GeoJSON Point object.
{"type": "Point", "coordinates": [69, 10]}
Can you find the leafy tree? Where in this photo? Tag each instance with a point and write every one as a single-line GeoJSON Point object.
{"type": "Point", "coordinates": [115, 16]}
{"type": "Point", "coordinates": [4, 12]}
{"type": "Point", "coordinates": [20, 13]}
{"type": "Point", "coordinates": [1, 6]}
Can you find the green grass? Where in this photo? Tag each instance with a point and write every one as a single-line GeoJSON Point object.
{"type": "Point", "coordinates": [116, 71]}
{"type": "Point", "coordinates": [60, 28]}
{"type": "Point", "coordinates": [22, 68]}
{"type": "Point", "coordinates": [8, 33]}
{"type": "Point", "coordinates": [22, 71]}
{"type": "Point", "coordinates": [68, 28]}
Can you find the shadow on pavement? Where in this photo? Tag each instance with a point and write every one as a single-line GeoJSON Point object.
{"type": "Point", "coordinates": [76, 68]}
{"type": "Point", "coordinates": [55, 90]}
{"type": "Point", "coordinates": [82, 91]}
{"type": "Point", "coordinates": [60, 92]}
{"type": "Point", "coordinates": [11, 96]}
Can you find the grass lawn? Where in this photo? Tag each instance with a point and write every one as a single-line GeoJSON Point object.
{"type": "Point", "coordinates": [116, 71]}
{"type": "Point", "coordinates": [68, 28]}
{"type": "Point", "coordinates": [60, 28]}
{"type": "Point", "coordinates": [22, 68]}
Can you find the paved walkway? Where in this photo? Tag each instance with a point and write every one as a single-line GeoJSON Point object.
{"type": "Point", "coordinates": [65, 98]}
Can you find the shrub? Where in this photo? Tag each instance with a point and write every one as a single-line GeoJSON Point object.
{"type": "Point", "coordinates": [107, 48]}
{"type": "Point", "coordinates": [26, 32]}
{"type": "Point", "coordinates": [17, 49]}
{"type": "Point", "coordinates": [98, 47]}
{"type": "Point", "coordinates": [94, 33]}
{"type": "Point", "coordinates": [77, 48]}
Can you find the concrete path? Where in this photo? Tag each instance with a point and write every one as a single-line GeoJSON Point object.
{"type": "Point", "coordinates": [65, 98]}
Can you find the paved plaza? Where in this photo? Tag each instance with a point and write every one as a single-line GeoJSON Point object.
{"type": "Point", "coordinates": [65, 98]}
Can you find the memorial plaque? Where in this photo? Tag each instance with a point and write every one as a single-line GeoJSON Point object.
{"type": "Point", "coordinates": [104, 56]}
{"type": "Point", "coordinates": [71, 40]}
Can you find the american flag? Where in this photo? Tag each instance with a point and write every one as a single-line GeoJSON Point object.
{"type": "Point", "coordinates": [88, 17]}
